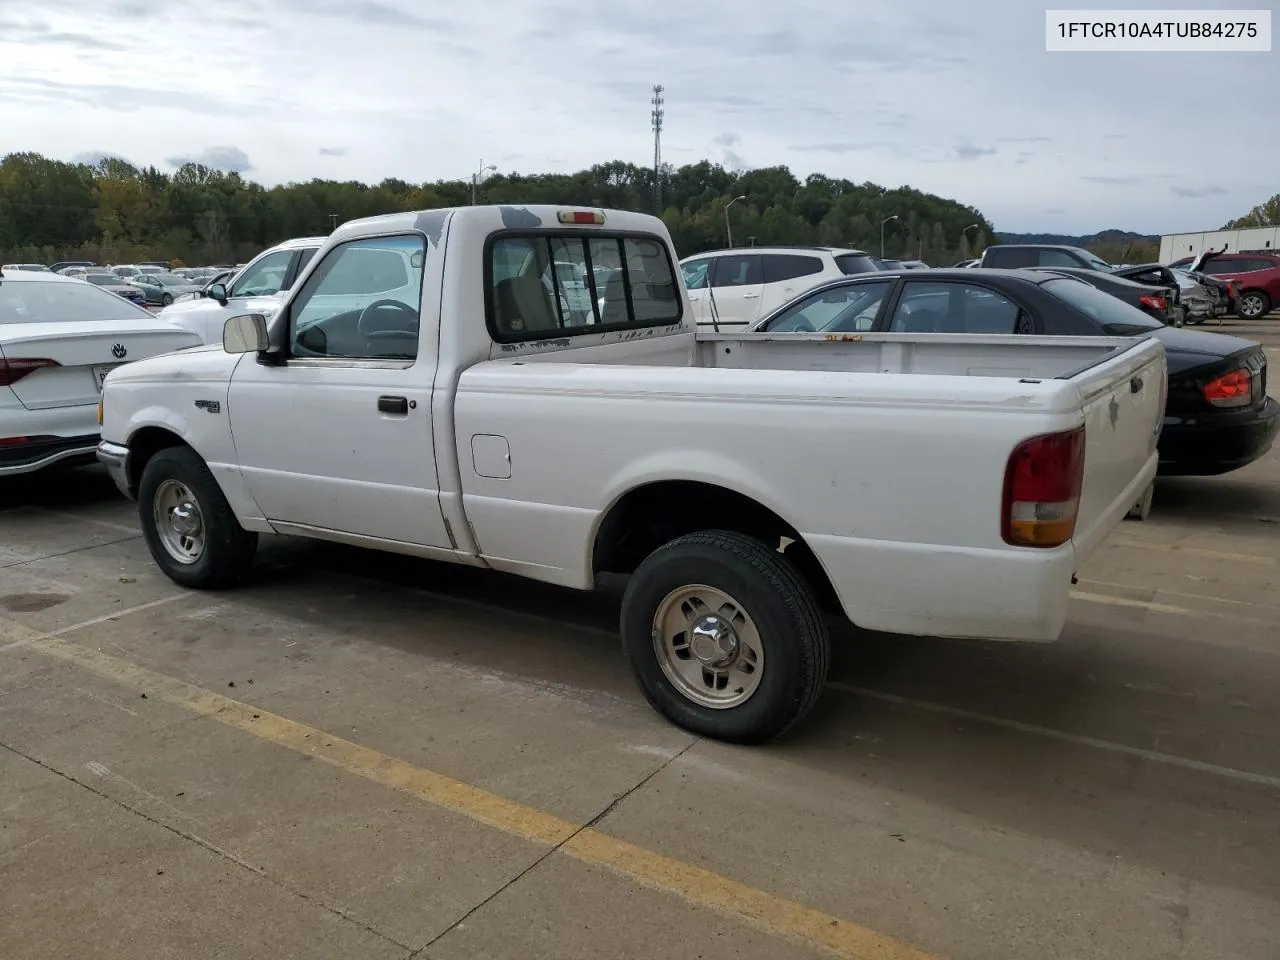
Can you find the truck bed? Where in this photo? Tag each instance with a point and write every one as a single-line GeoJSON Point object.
{"type": "Point", "coordinates": [974, 355]}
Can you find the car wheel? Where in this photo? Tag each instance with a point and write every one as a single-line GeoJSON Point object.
{"type": "Point", "coordinates": [1142, 509]}
{"type": "Point", "coordinates": [725, 638]}
{"type": "Point", "coordinates": [166, 299]}
{"type": "Point", "coordinates": [1253, 304]}
{"type": "Point", "coordinates": [189, 527]}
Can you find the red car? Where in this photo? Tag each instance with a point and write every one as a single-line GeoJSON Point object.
{"type": "Point", "coordinates": [1256, 277]}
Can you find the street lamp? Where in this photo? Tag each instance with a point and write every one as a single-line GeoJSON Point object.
{"type": "Point", "coordinates": [728, 227]}
{"type": "Point", "coordinates": [882, 223]}
{"type": "Point", "coordinates": [477, 177]}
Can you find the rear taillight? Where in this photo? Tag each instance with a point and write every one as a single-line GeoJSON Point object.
{"type": "Point", "coordinates": [11, 371]}
{"type": "Point", "coordinates": [1234, 389]}
{"type": "Point", "coordinates": [1155, 302]}
{"type": "Point", "coordinates": [1042, 490]}
{"type": "Point", "coordinates": [1231, 289]}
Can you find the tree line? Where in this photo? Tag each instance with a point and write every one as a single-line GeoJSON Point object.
{"type": "Point", "coordinates": [114, 212]}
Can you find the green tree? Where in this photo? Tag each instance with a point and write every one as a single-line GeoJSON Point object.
{"type": "Point", "coordinates": [113, 211]}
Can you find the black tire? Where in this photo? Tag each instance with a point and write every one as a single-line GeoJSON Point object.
{"type": "Point", "coordinates": [784, 608]}
{"type": "Point", "coordinates": [166, 299]}
{"type": "Point", "coordinates": [228, 548]}
{"type": "Point", "coordinates": [1248, 297]}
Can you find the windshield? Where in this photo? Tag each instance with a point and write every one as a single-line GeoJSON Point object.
{"type": "Point", "coordinates": [169, 280]}
{"type": "Point", "coordinates": [34, 302]}
{"type": "Point", "coordinates": [1115, 318]}
{"type": "Point", "coordinates": [103, 279]}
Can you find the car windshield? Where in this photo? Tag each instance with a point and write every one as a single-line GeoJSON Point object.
{"type": "Point", "coordinates": [1114, 317]}
{"type": "Point", "coordinates": [103, 279]}
{"type": "Point", "coordinates": [35, 302]}
{"type": "Point", "coordinates": [169, 280]}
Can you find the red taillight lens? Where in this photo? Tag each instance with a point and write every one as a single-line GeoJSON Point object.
{"type": "Point", "coordinates": [11, 371]}
{"type": "Point", "coordinates": [1042, 490]}
{"type": "Point", "coordinates": [1231, 289]}
{"type": "Point", "coordinates": [1234, 389]}
{"type": "Point", "coordinates": [1156, 302]}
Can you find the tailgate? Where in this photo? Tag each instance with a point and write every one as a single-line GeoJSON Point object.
{"type": "Point", "coordinates": [1124, 400]}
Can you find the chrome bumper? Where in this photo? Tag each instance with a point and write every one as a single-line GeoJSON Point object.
{"type": "Point", "coordinates": [116, 459]}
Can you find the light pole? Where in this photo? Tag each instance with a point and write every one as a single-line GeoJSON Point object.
{"type": "Point", "coordinates": [728, 227]}
{"type": "Point", "coordinates": [477, 177]}
{"type": "Point", "coordinates": [882, 223]}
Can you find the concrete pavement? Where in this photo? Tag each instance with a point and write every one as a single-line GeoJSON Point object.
{"type": "Point", "coordinates": [365, 756]}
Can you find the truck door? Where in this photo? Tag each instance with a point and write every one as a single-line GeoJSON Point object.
{"type": "Point", "coordinates": [338, 437]}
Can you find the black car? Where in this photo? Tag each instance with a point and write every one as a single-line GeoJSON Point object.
{"type": "Point", "coordinates": [1158, 302]}
{"type": "Point", "coordinates": [1218, 416]}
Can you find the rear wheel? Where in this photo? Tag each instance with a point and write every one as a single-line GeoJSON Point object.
{"type": "Point", "coordinates": [1253, 304]}
{"type": "Point", "coordinates": [725, 638]}
{"type": "Point", "coordinates": [190, 529]}
{"type": "Point", "coordinates": [166, 299]}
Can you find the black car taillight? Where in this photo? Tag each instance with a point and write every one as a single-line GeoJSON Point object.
{"type": "Point", "coordinates": [1234, 389]}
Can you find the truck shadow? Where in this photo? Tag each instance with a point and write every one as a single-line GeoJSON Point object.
{"type": "Point", "coordinates": [1038, 740]}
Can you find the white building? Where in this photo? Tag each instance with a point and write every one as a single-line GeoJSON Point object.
{"type": "Point", "coordinates": [1175, 246]}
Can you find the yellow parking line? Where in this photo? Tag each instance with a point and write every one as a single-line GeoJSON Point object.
{"type": "Point", "coordinates": [1163, 607]}
{"type": "Point", "coordinates": [695, 885]}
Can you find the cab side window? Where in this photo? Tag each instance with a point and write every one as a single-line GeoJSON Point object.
{"type": "Point", "coordinates": [362, 302]}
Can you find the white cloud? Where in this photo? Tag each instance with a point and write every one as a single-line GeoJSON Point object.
{"type": "Point", "coordinates": [958, 98]}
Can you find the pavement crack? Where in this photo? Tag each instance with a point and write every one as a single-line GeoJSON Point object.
{"type": "Point", "coordinates": [612, 805]}
{"type": "Point", "coordinates": [211, 848]}
{"type": "Point", "coordinates": [67, 553]}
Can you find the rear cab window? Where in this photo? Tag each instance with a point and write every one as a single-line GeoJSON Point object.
{"type": "Point", "coordinates": [563, 283]}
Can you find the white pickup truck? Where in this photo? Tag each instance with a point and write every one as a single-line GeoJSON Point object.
{"type": "Point", "coordinates": [422, 391]}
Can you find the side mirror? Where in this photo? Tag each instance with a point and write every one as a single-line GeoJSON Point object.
{"type": "Point", "coordinates": [217, 291]}
{"type": "Point", "coordinates": [246, 333]}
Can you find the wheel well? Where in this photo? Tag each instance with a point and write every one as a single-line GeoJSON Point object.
{"type": "Point", "coordinates": [649, 516]}
{"type": "Point", "coordinates": [144, 445]}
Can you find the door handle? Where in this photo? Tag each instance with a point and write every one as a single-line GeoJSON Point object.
{"type": "Point", "coordinates": [398, 405]}
{"type": "Point", "coordinates": [1135, 385]}
{"type": "Point", "coordinates": [750, 296]}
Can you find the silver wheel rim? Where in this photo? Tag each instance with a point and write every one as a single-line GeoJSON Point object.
{"type": "Point", "coordinates": [1251, 306]}
{"type": "Point", "coordinates": [708, 646]}
{"type": "Point", "coordinates": [179, 521]}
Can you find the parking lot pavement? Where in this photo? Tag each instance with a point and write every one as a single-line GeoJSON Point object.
{"type": "Point", "coordinates": [360, 755]}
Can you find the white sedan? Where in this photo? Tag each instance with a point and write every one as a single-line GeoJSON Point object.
{"type": "Point", "coordinates": [59, 337]}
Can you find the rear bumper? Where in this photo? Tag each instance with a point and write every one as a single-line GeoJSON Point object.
{"type": "Point", "coordinates": [1210, 446]}
{"type": "Point", "coordinates": [929, 590]}
{"type": "Point", "coordinates": [41, 452]}
{"type": "Point", "coordinates": [116, 459]}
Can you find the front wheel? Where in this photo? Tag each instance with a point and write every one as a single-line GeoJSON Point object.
{"type": "Point", "coordinates": [190, 529]}
{"type": "Point", "coordinates": [724, 637]}
{"type": "Point", "coordinates": [1252, 305]}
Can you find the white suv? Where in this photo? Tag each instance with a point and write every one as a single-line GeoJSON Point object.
{"type": "Point", "coordinates": [730, 289]}
{"type": "Point", "coordinates": [258, 288]}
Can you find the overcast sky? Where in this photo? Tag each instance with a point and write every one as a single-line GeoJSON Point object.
{"type": "Point", "coordinates": [952, 97]}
